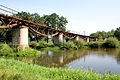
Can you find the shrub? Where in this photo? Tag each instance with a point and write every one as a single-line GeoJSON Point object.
{"type": "Point", "coordinates": [33, 44]}
{"type": "Point", "coordinates": [68, 45]}
{"type": "Point", "coordinates": [5, 48]}
{"type": "Point", "coordinates": [111, 43]}
{"type": "Point", "coordinates": [27, 52]}
{"type": "Point", "coordinates": [80, 43]}
{"type": "Point", "coordinates": [43, 44]}
{"type": "Point", "coordinates": [94, 45]}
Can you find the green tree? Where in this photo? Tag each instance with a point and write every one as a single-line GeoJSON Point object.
{"type": "Point", "coordinates": [55, 21]}
{"type": "Point", "coordinates": [30, 17]}
{"type": "Point", "coordinates": [117, 33]}
{"type": "Point", "coordinates": [5, 35]}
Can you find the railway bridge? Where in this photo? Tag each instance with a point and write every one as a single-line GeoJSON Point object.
{"type": "Point", "coordinates": [20, 29]}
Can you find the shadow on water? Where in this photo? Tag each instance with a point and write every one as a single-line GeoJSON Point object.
{"type": "Point", "coordinates": [99, 60]}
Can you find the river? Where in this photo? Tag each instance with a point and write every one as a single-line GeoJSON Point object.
{"type": "Point", "coordinates": [98, 60]}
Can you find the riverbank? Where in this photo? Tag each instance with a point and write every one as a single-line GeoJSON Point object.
{"type": "Point", "coordinates": [6, 50]}
{"type": "Point", "coordinates": [12, 69]}
{"type": "Point", "coordinates": [80, 44]}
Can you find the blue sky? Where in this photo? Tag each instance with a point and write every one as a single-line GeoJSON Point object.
{"type": "Point", "coordinates": [83, 15]}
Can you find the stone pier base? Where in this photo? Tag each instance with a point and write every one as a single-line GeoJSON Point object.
{"type": "Point", "coordinates": [58, 39]}
{"type": "Point", "coordinates": [20, 37]}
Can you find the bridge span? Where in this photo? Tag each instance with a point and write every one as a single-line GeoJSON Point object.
{"type": "Point", "coordinates": [21, 28]}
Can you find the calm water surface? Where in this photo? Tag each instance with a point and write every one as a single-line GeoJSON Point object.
{"type": "Point", "coordinates": [99, 60]}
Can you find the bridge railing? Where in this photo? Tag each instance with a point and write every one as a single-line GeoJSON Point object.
{"type": "Point", "coordinates": [7, 10]}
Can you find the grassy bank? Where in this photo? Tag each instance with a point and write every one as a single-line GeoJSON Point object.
{"type": "Point", "coordinates": [16, 70]}
{"type": "Point", "coordinates": [110, 42]}
{"type": "Point", "coordinates": [6, 50]}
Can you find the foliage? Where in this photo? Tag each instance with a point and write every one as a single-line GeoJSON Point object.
{"type": "Point", "coordinates": [5, 35]}
{"type": "Point", "coordinates": [110, 43]}
{"type": "Point", "coordinates": [43, 44]}
{"type": "Point", "coordinates": [55, 21]}
{"type": "Point", "coordinates": [16, 70]}
{"type": "Point", "coordinates": [96, 44]}
{"type": "Point", "coordinates": [25, 52]}
{"type": "Point", "coordinates": [103, 34]}
{"type": "Point", "coordinates": [80, 43]}
{"type": "Point", "coordinates": [52, 48]}
{"type": "Point", "coordinates": [33, 44]}
{"type": "Point", "coordinates": [68, 45]}
{"type": "Point", "coordinates": [30, 17]}
{"type": "Point", "coordinates": [5, 48]}
{"type": "Point", "coordinates": [117, 33]}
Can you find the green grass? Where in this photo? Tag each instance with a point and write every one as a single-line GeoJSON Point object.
{"type": "Point", "coordinates": [28, 52]}
{"type": "Point", "coordinates": [16, 70]}
{"type": "Point", "coordinates": [6, 50]}
{"type": "Point", "coordinates": [51, 48]}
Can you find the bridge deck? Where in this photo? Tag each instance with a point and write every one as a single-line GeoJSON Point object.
{"type": "Point", "coordinates": [32, 25]}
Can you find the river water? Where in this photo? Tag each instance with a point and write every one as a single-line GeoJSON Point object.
{"type": "Point", "coordinates": [99, 60]}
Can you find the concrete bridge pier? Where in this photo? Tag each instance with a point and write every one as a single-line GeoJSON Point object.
{"type": "Point", "coordinates": [76, 38]}
{"type": "Point", "coordinates": [20, 37]}
{"type": "Point", "coordinates": [57, 39]}
{"type": "Point", "coordinates": [88, 39]}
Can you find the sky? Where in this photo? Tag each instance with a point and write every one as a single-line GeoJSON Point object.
{"type": "Point", "coordinates": [84, 16]}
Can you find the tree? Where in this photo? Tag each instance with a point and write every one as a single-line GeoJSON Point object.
{"type": "Point", "coordinates": [100, 34]}
{"type": "Point", "coordinates": [30, 17]}
{"type": "Point", "coordinates": [55, 21]}
{"type": "Point", "coordinates": [117, 33]}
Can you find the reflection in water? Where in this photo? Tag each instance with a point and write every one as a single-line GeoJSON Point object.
{"type": "Point", "coordinates": [99, 60]}
{"type": "Point", "coordinates": [57, 59]}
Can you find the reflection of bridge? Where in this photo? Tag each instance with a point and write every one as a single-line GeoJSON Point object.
{"type": "Point", "coordinates": [20, 29]}
{"type": "Point", "coordinates": [58, 59]}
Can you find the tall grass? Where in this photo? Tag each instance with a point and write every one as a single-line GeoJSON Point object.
{"type": "Point", "coordinates": [68, 45]}
{"type": "Point", "coordinates": [16, 70]}
{"type": "Point", "coordinates": [6, 50]}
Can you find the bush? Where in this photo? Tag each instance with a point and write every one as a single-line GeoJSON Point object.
{"type": "Point", "coordinates": [5, 48]}
{"type": "Point", "coordinates": [111, 43]}
{"type": "Point", "coordinates": [44, 44]}
{"type": "Point", "coordinates": [33, 44]}
{"type": "Point", "coordinates": [97, 44]}
{"type": "Point", "coordinates": [26, 52]}
{"type": "Point", "coordinates": [94, 45]}
{"type": "Point", "coordinates": [80, 43]}
{"type": "Point", "coordinates": [68, 45]}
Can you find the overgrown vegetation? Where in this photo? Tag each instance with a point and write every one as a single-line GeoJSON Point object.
{"type": "Point", "coordinates": [40, 44]}
{"type": "Point", "coordinates": [111, 43]}
{"type": "Point", "coordinates": [80, 43]}
{"type": "Point", "coordinates": [104, 35]}
{"type": "Point", "coordinates": [6, 50]}
{"type": "Point", "coordinates": [68, 45]}
{"type": "Point", "coordinates": [16, 70]}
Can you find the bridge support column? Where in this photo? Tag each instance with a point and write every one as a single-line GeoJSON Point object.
{"type": "Point", "coordinates": [58, 39]}
{"type": "Point", "coordinates": [96, 39]}
{"type": "Point", "coordinates": [88, 39]}
{"type": "Point", "coordinates": [76, 38]}
{"type": "Point", "coordinates": [20, 37]}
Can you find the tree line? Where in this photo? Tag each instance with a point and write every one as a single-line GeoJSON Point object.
{"type": "Point", "coordinates": [104, 35]}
